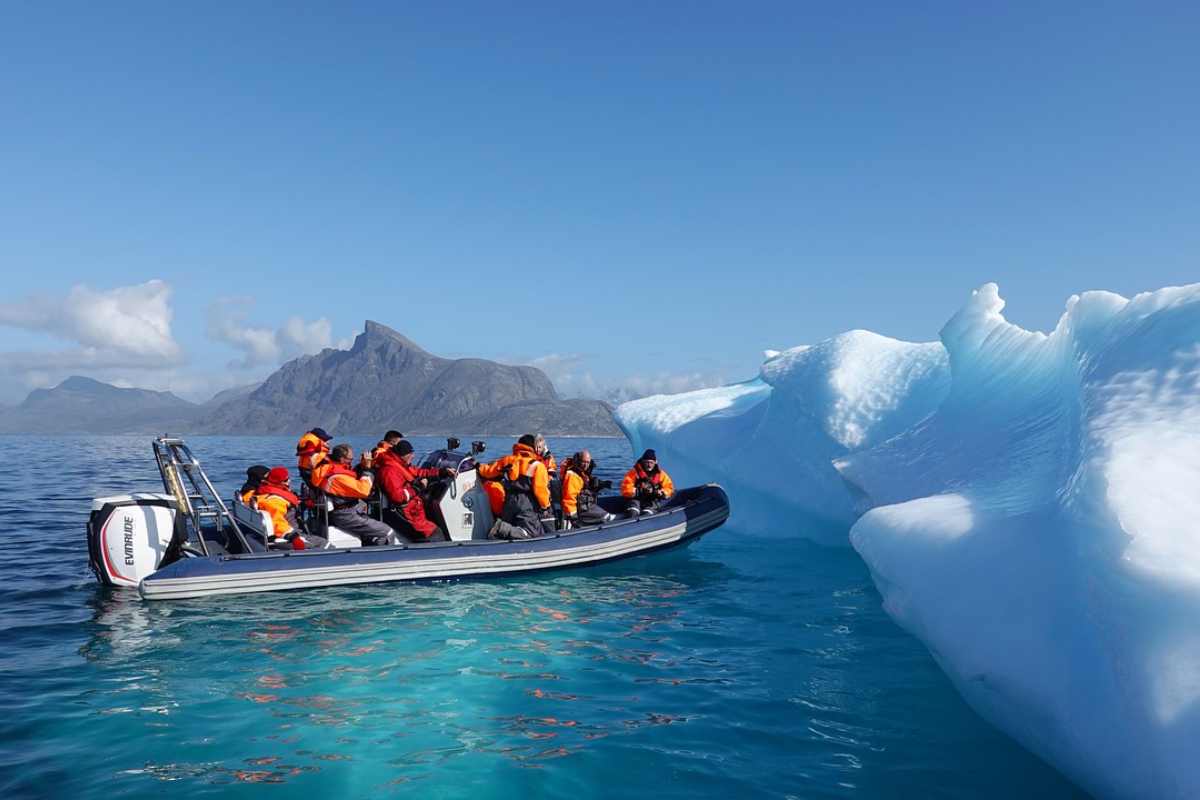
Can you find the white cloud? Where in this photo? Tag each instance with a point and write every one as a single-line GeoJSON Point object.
{"type": "Point", "coordinates": [126, 329]}
{"type": "Point", "coordinates": [631, 387]}
{"type": "Point", "coordinates": [130, 323]}
{"type": "Point", "coordinates": [571, 377]}
{"type": "Point", "coordinates": [263, 345]}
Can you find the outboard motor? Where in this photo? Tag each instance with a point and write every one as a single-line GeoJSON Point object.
{"type": "Point", "coordinates": [459, 506]}
{"type": "Point", "coordinates": [130, 536]}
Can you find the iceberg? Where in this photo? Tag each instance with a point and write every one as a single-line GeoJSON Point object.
{"type": "Point", "coordinates": [772, 440]}
{"type": "Point", "coordinates": [1028, 505]}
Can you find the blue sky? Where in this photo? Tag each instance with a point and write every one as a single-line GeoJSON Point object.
{"type": "Point", "coordinates": [640, 195]}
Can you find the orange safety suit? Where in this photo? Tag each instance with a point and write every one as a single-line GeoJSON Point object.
{"type": "Point", "coordinates": [639, 482]}
{"type": "Point", "coordinates": [572, 484]}
{"type": "Point", "coordinates": [524, 462]}
{"type": "Point", "coordinates": [380, 449]}
{"type": "Point", "coordinates": [280, 504]}
{"type": "Point", "coordinates": [341, 481]}
{"type": "Point", "coordinates": [311, 450]}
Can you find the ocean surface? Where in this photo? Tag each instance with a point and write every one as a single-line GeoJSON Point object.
{"type": "Point", "coordinates": [748, 664]}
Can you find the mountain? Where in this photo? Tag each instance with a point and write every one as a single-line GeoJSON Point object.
{"type": "Point", "coordinates": [225, 395]}
{"type": "Point", "coordinates": [83, 405]}
{"type": "Point", "coordinates": [388, 381]}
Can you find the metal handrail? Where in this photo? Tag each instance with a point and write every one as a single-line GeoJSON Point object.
{"type": "Point", "coordinates": [175, 460]}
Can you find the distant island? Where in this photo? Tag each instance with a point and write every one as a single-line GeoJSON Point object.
{"type": "Point", "coordinates": [383, 381]}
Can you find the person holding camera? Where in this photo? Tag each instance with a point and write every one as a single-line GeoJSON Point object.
{"type": "Point", "coordinates": [579, 490]}
{"type": "Point", "coordinates": [347, 489]}
{"type": "Point", "coordinates": [647, 486]}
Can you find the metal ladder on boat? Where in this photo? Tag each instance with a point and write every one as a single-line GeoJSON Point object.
{"type": "Point", "coordinates": [198, 500]}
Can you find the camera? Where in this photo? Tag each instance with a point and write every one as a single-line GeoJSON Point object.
{"type": "Point", "coordinates": [478, 447]}
{"type": "Point", "coordinates": [452, 443]}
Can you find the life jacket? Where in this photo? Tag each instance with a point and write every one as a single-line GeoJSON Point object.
{"type": "Point", "coordinates": [311, 450]}
{"type": "Point", "coordinates": [492, 485]}
{"type": "Point", "coordinates": [283, 516]}
{"type": "Point", "coordinates": [646, 484]}
{"type": "Point", "coordinates": [586, 497]}
{"type": "Point", "coordinates": [328, 470]}
{"type": "Point", "coordinates": [518, 472]}
{"type": "Point", "coordinates": [320, 473]}
{"type": "Point", "coordinates": [278, 491]}
{"type": "Point", "coordinates": [495, 493]}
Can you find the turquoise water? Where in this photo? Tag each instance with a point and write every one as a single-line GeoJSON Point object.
{"type": "Point", "coordinates": [749, 664]}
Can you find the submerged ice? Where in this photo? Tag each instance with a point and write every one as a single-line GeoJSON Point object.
{"type": "Point", "coordinates": [1027, 504]}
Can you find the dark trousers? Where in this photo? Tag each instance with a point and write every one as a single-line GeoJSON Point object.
{"type": "Point", "coordinates": [592, 516]}
{"type": "Point", "coordinates": [643, 506]}
{"type": "Point", "coordinates": [357, 523]}
{"type": "Point", "coordinates": [314, 542]}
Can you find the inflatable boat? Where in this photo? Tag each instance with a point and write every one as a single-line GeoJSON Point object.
{"type": "Point", "coordinates": [187, 542]}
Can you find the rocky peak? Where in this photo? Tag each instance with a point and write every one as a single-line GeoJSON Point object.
{"type": "Point", "coordinates": [375, 334]}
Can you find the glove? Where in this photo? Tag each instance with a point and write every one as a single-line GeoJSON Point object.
{"type": "Point", "coordinates": [447, 472]}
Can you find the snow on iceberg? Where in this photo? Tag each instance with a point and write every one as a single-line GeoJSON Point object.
{"type": "Point", "coordinates": [1042, 536]}
{"type": "Point", "coordinates": [772, 440]}
{"type": "Point", "coordinates": [1032, 509]}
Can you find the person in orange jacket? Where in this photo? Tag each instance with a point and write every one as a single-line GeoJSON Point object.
{"type": "Point", "coordinates": [495, 490]}
{"type": "Point", "coordinates": [347, 489]}
{"type": "Point", "coordinates": [311, 450]}
{"type": "Point", "coordinates": [495, 495]}
{"type": "Point", "coordinates": [274, 496]}
{"type": "Point", "coordinates": [526, 491]}
{"type": "Point", "coordinates": [579, 490]}
{"type": "Point", "coordinates": [647, 486]}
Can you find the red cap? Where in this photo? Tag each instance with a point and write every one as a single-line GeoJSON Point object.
{"type": "Point", "coordinates": [277, 475]}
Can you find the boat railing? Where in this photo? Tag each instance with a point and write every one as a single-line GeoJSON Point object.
{"type": "Point", "coordinates": [196, 497]}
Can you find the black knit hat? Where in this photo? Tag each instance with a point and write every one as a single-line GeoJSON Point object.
{"type": "Point", "coordinates": [321, 434]}
{"type": "Point", "coordinates": [402, 447]}
{"type": "Point", "coordinates": [254, 477]}
{"type": "Point", "coordinates": [529, 440]}
{"type": "Point", "coordinates": [649, 454]}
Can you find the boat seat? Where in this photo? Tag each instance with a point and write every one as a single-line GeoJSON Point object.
{"type": "Point", "coordinates": [254, 523]}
